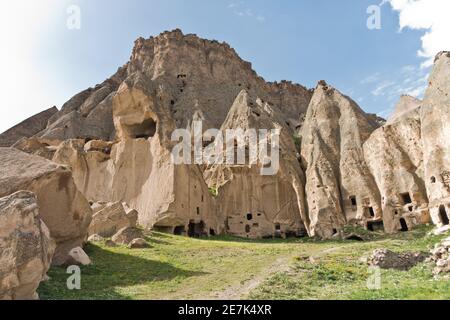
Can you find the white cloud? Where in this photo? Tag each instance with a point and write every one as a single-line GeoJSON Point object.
{"type": "Point", "coordinates": [429, 15]}
{"type": "Point", "coordinates": [242, 10]}
{"type": "Point", "coordinates": [381, 89]}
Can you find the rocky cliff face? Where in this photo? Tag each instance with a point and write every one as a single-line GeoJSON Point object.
{"type": "Point", "coordinates": [338, 165]}
{"type": "Point", "coordinates": [339, 185]}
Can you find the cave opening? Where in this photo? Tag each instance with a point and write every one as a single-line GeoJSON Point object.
{"type": "Point", "coordinates": [196, 230]}
{"type": "Point", "coordinates": [249, 216]}
{"type": "Point", "coordinates": [144, 130]}
{"type": "Point", "coordinates": [179, 231]}
{"type": "Point", "coordinates": [406, 198]}
{"type": "Point", "coordinates": [404, 225]}
{"type": "Point", "coordinates": [443, 215]}
{"type": "Point", "coordinates": [353, 201]}
{"type": "Point", "coordinates": [371, 212]}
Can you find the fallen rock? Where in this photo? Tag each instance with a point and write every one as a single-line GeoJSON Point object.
{"type": "Point", "coordinates": [442, 230]}
{"type": "Point", "coordinates": [138, 243]}
{"type": "Point", "coordinates": [77, 257]}
{"type": "Point", "coordinates": [111, 218]}
{"type": "Point", "coordinates": [440, 256]}
{"type": "Point", "coordinates": [96, 238]}
{"type": "Point", "coordinates": [64, 210]}
{"type": "Point", "coordinates": [26, 248]}
{"type": "Point", "coordinates": [126, 235]}
{"type": "Point", "coordinates": [386, 259]}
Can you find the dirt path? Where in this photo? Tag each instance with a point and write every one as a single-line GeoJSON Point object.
{"type": "Point", "coordinates": [282, 264]}
{"type": "Point", "coordinates": [240, 291]}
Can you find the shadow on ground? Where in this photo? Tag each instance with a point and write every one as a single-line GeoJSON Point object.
{"type": "Point", "coordinates": [110, 269]}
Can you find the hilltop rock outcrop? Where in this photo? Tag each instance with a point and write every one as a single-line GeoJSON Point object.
{"type": "Point", "coordinates": [26, 248]}
{"type": "Point", "coordinates": [64, 210]}
{"type": "Point", "coordinates": [27, 128]}
{"type": "Point", "coordinates": [253, 204]}
{"type": "Point", "coordinates": [339, 186]}
{"type": "Point", "coordinates": [338, 165]}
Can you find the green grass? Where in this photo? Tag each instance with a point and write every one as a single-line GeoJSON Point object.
{"type": "Point", "coordinates": [183, 268]}
{"type": "Point", "coordinates": [342, 274]}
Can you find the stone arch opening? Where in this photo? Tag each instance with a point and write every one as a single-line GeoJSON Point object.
{"type": "Point", "coordinates": [404, 225]}
{"type": "Point", "coordinates": [443, 215]}
{"type": "Point", "coordinates": [353, 201]}
{"type": "Point", "coordinates": [144, 130]}
{"type": "Point", "coordinates": [406, 198]}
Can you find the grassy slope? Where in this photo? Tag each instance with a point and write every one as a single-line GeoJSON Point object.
{"type": "Point", "coordinates": [183, 268]}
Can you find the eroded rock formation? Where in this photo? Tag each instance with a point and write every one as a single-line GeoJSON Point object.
{"type": "Point", "coordinates": [338, 165]}
{"type": "Point", "coordinates": [65, 211]}
{"type": "Point", "coordinates": [26, 249]}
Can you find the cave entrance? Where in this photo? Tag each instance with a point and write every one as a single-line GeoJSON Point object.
{"type": "Point", "coordinates": [196, 230]}
{"type": "Point", "coordinates": [375, 226]}
{"type": "Point", "coordinates": [443, 215]}
{"type": "Point", "coordinates": [144, 130]}
{"type": "Point", "coordinates": [406, 198]}
{"type": "Point", "coordinates": [179, 231]}
{"type": "Point", "coordinates": [404, 225]}
{"type": "Point", "coordinates": [371, 212]}
{"type": "Point", "coordinates": [353, 201]}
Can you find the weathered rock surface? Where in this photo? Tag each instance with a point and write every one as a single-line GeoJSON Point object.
{"type": "Point", "coordinates": [138, 243]}
{"type": "Point", "coordinates": [337, 165]}
{"type": "Point", "coordinates": [440, 256]}
{"type": "Point", "coordinates": [26, 248]}
{"type": "Point", "coordinates": [339, 186]}
{"type": "Point", "coordinates": [252, 204]}
{"type": "Point", "coordinates": [386, 259]}
{"type": "Point", "coordinates": [77, 257]}
{"type": "Point", "coordinates": [126, 235]}
{"type": "Point", "coordinates": [62, 207]}
{"type": "Point", "coordinates": [110, 219]}
{"type": "Point", "coordinates": [27, 128]}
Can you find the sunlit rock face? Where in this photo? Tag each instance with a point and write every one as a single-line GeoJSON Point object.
{"type": "Point", "coordinates": [338, 165]}
{"type": "Point", "coordinates": [435, 125]}
{"type": "Point", "coordinates": [339, 186]}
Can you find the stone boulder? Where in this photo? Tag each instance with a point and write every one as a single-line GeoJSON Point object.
{"type": "Point", "coordinates": [77, 257]}
{"type": "Point", "coordinates": [111, 218]}
{"type": "Point", "coordinates": [65, 211]}
{"type": "Point", "coordinates": [126, 235]}
{"type": "Point", "coordinates": [386, 259]}
{"type": "Point", "coordinates": [440, 256]}
{"type": "Point", "coordinates": [95, 238]}
{"type": "Point", "coordinates": [26, 249]}
{"type": "Point", "coordinates": [138, 243]}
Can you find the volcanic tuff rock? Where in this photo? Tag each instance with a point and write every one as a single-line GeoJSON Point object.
{"type": "Point", "coordinates": [252, 204]}
{"type": "Point", "coordinates": [111, 218]}
{"type": "Point", "coordinates": [26, 249]}
{"type": "Point", "coordinates": [338, 165]}
{"type": "Point", "coordinates": [27, 128]}
{"type": "Point", "coordinates": [339, 186]}
{"type": "Point", "coordinates": [62, 207]}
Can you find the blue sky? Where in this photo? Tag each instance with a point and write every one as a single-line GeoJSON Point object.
{"type": "Point", "coordinates": [45, 63]}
